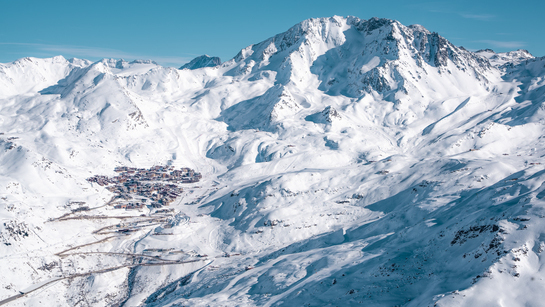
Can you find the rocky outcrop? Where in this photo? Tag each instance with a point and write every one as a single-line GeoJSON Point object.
{"type": "Point", "coordinates": [201, 62]}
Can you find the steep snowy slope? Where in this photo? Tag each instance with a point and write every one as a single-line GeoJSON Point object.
{"type": "Point", "coordinates": [343, 162]}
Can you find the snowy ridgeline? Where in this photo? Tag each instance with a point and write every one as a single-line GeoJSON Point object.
{"type": "Point", "coordinates": [343, 162]}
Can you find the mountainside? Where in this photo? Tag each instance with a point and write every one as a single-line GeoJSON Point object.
{"type": "Point", "coordinates": [342, 162]}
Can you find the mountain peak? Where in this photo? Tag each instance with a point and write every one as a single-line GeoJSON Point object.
{"type": "Point", "coordinates": [201, 62]}
{"type": "Point", "coordinates": [378, 36]}
{"type": "Point", "coordinates": [419, 28]}
{"type": "Point", "coordinates": [352, 57]}
{"type": "Point", "coordinates": [501, 58]}
{"type": "Point", "coordinates": [376, 23]}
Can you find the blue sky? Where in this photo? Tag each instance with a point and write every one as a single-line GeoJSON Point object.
{"type": "Point", "coordinates": [173, 32]}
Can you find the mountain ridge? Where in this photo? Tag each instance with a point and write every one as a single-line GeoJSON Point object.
{"type": "Point", "coordinates": [201, 62]}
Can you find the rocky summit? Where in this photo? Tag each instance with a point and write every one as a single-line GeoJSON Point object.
{"type": "Point", "coordinates": [201, 62]}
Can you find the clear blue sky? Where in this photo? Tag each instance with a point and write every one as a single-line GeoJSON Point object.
{"type": "Point", "coordinates": [173, 32]}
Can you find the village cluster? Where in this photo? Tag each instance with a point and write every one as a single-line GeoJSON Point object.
{"type": "Point", "coordinates": [138, 187]}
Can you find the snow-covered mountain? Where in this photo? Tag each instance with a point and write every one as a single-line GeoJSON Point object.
{"type": "Point", "coordinates": [511, 58]}
{"type": "Point", "coordinates": [201, 62]}
{"type": "Point", "coordinates": [343, 162]}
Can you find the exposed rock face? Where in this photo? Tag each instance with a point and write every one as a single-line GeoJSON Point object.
{"type": "Point", "coordinates": [330, 114]}
{"type": "Point", "coordinates": [201, 62]}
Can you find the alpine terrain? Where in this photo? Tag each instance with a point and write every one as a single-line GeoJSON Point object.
{"type": "Point", "coordinates": [344, 162]}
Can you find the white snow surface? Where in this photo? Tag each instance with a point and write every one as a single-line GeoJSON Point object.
{"type": "Point", "coordinates": [345, 162]}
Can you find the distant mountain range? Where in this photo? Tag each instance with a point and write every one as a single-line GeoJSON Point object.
{"type": "Point", "coordinates": [202, 62]}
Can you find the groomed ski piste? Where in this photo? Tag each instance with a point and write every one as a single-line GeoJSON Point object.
{"type": "Point", "coordinates": [344, 162]}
